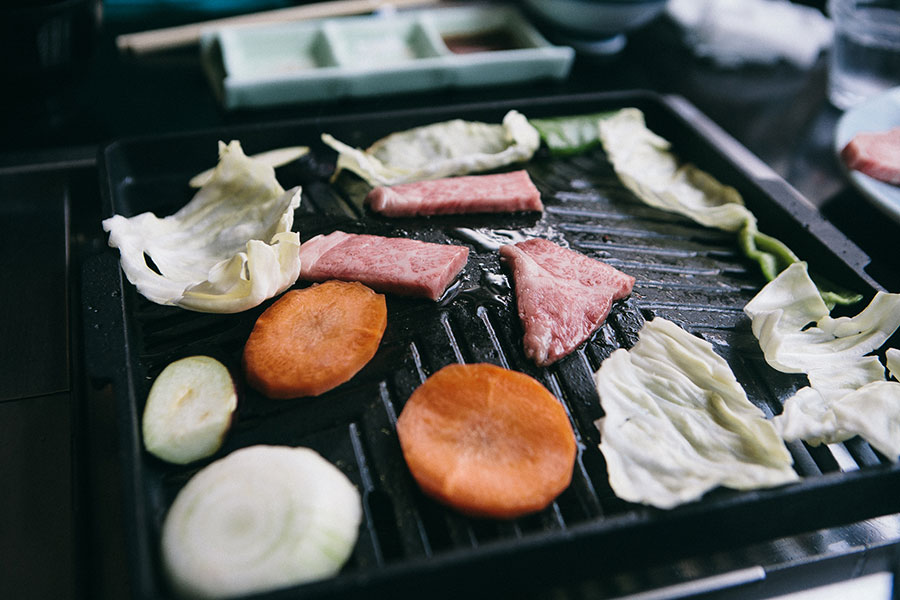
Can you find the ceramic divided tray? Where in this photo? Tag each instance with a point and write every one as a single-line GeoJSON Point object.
{"type": "Point", "coordinates": [412, 51]}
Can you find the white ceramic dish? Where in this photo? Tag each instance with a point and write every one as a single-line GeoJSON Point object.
{"type": "Point", "coordinates": [410, 51]}
{"type": "Point", "coordinates": [879, 113]}
{"type": "Point", "coordinates": [597, 18]}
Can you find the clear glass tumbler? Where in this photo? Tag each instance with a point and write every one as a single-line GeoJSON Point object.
{"type": "Point", "coordinates": [865, 55]}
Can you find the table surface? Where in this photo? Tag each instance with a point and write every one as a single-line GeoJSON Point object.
{"type": "Point", "coordinates": [59, 450]}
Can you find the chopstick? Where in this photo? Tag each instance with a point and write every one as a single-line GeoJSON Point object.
{"type": "Point", "coordinates": [183, 35]}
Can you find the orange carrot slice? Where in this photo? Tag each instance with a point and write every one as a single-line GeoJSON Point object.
{"type": "Point", "coordinates": [314, 339]}
{"type": "Point", "coordinates": [487, 441]}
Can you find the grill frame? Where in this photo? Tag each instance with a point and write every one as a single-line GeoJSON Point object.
{"type": "Point", "coordinates": [135, 176]}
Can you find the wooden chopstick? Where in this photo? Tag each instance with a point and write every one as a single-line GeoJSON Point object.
{"type": "Point", "coordinates": [174, 37]}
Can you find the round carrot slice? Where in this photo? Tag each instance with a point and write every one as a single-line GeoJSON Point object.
{"type": "Point", "coordinates": [487, 441]}
{"type": "Point", "coordinates": [312, 340]}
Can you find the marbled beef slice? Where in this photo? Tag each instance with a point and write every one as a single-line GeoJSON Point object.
{"type": "Point", "coordinates": [562, 296]}
{"type": "Point", "coordinates": [877, 154]}
{"type": "Point", "coordinates": [502, 192]}
{"type": "Point", "coordinates": [394, 265]}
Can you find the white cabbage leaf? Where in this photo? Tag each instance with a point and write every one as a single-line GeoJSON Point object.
{"type": "Point", "coordinates": [848, 393]}
{"type": "Point", "coordinates": [873, 412]}
{"type": "Point", "coordinates": [276, 158]}
{"type": "Point", "coordinates": [809, 415]}
{"type": "Point", "coordinates": [892, 356]}
{"type": "Point", "coordinates": [678, 424]}
{"type": "Point", "coordinates": [229, 249]}
{"type": "Point", "coordinates": [438, 150]}
{"type": "Point", "coordinates": [797, 334]}
{"type": "Point", "coordinates": [644, 164]}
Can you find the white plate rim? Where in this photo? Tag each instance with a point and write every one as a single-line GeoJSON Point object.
{"type": "Point", "coordinates": [879, 113]}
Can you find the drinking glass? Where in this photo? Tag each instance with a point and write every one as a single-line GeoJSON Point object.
{"type": "Point", "coordinates": [865, 55]}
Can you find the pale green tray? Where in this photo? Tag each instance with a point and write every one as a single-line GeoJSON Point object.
{"type": "Point", "coordinates": [310, 61]}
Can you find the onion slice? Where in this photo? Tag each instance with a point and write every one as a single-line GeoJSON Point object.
{"type": "Point", "coordinates": [263, 517]}
{"type": "Point", "coordinates": [189, 410]}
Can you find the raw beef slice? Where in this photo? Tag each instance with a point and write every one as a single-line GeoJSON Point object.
{"type": "Point", "coordinates": [875, 154]}
{"type": "Point", "coordinates": [503, 192]}
{"type": "Point", "coordinates": [562, 296]}
{"type": "Point", "coordinates": [394, 265]}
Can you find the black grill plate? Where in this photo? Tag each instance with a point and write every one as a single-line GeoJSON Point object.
{"type": "Point", "coordinates": [409, 545]}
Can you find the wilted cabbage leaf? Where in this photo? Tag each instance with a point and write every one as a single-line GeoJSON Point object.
{"type": "Point", "coordinates": [643, 161]}
{"type": "Point", "coordinates": [229, 249]}
{"type": "Point", "coordinates": [678, 424]}
{"type": "Point", "coordinates": [443, 149]}
{"type": "Point", "coordinates": [848, 393]}
{"type": "Point", "coordinates": [646, 166]}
